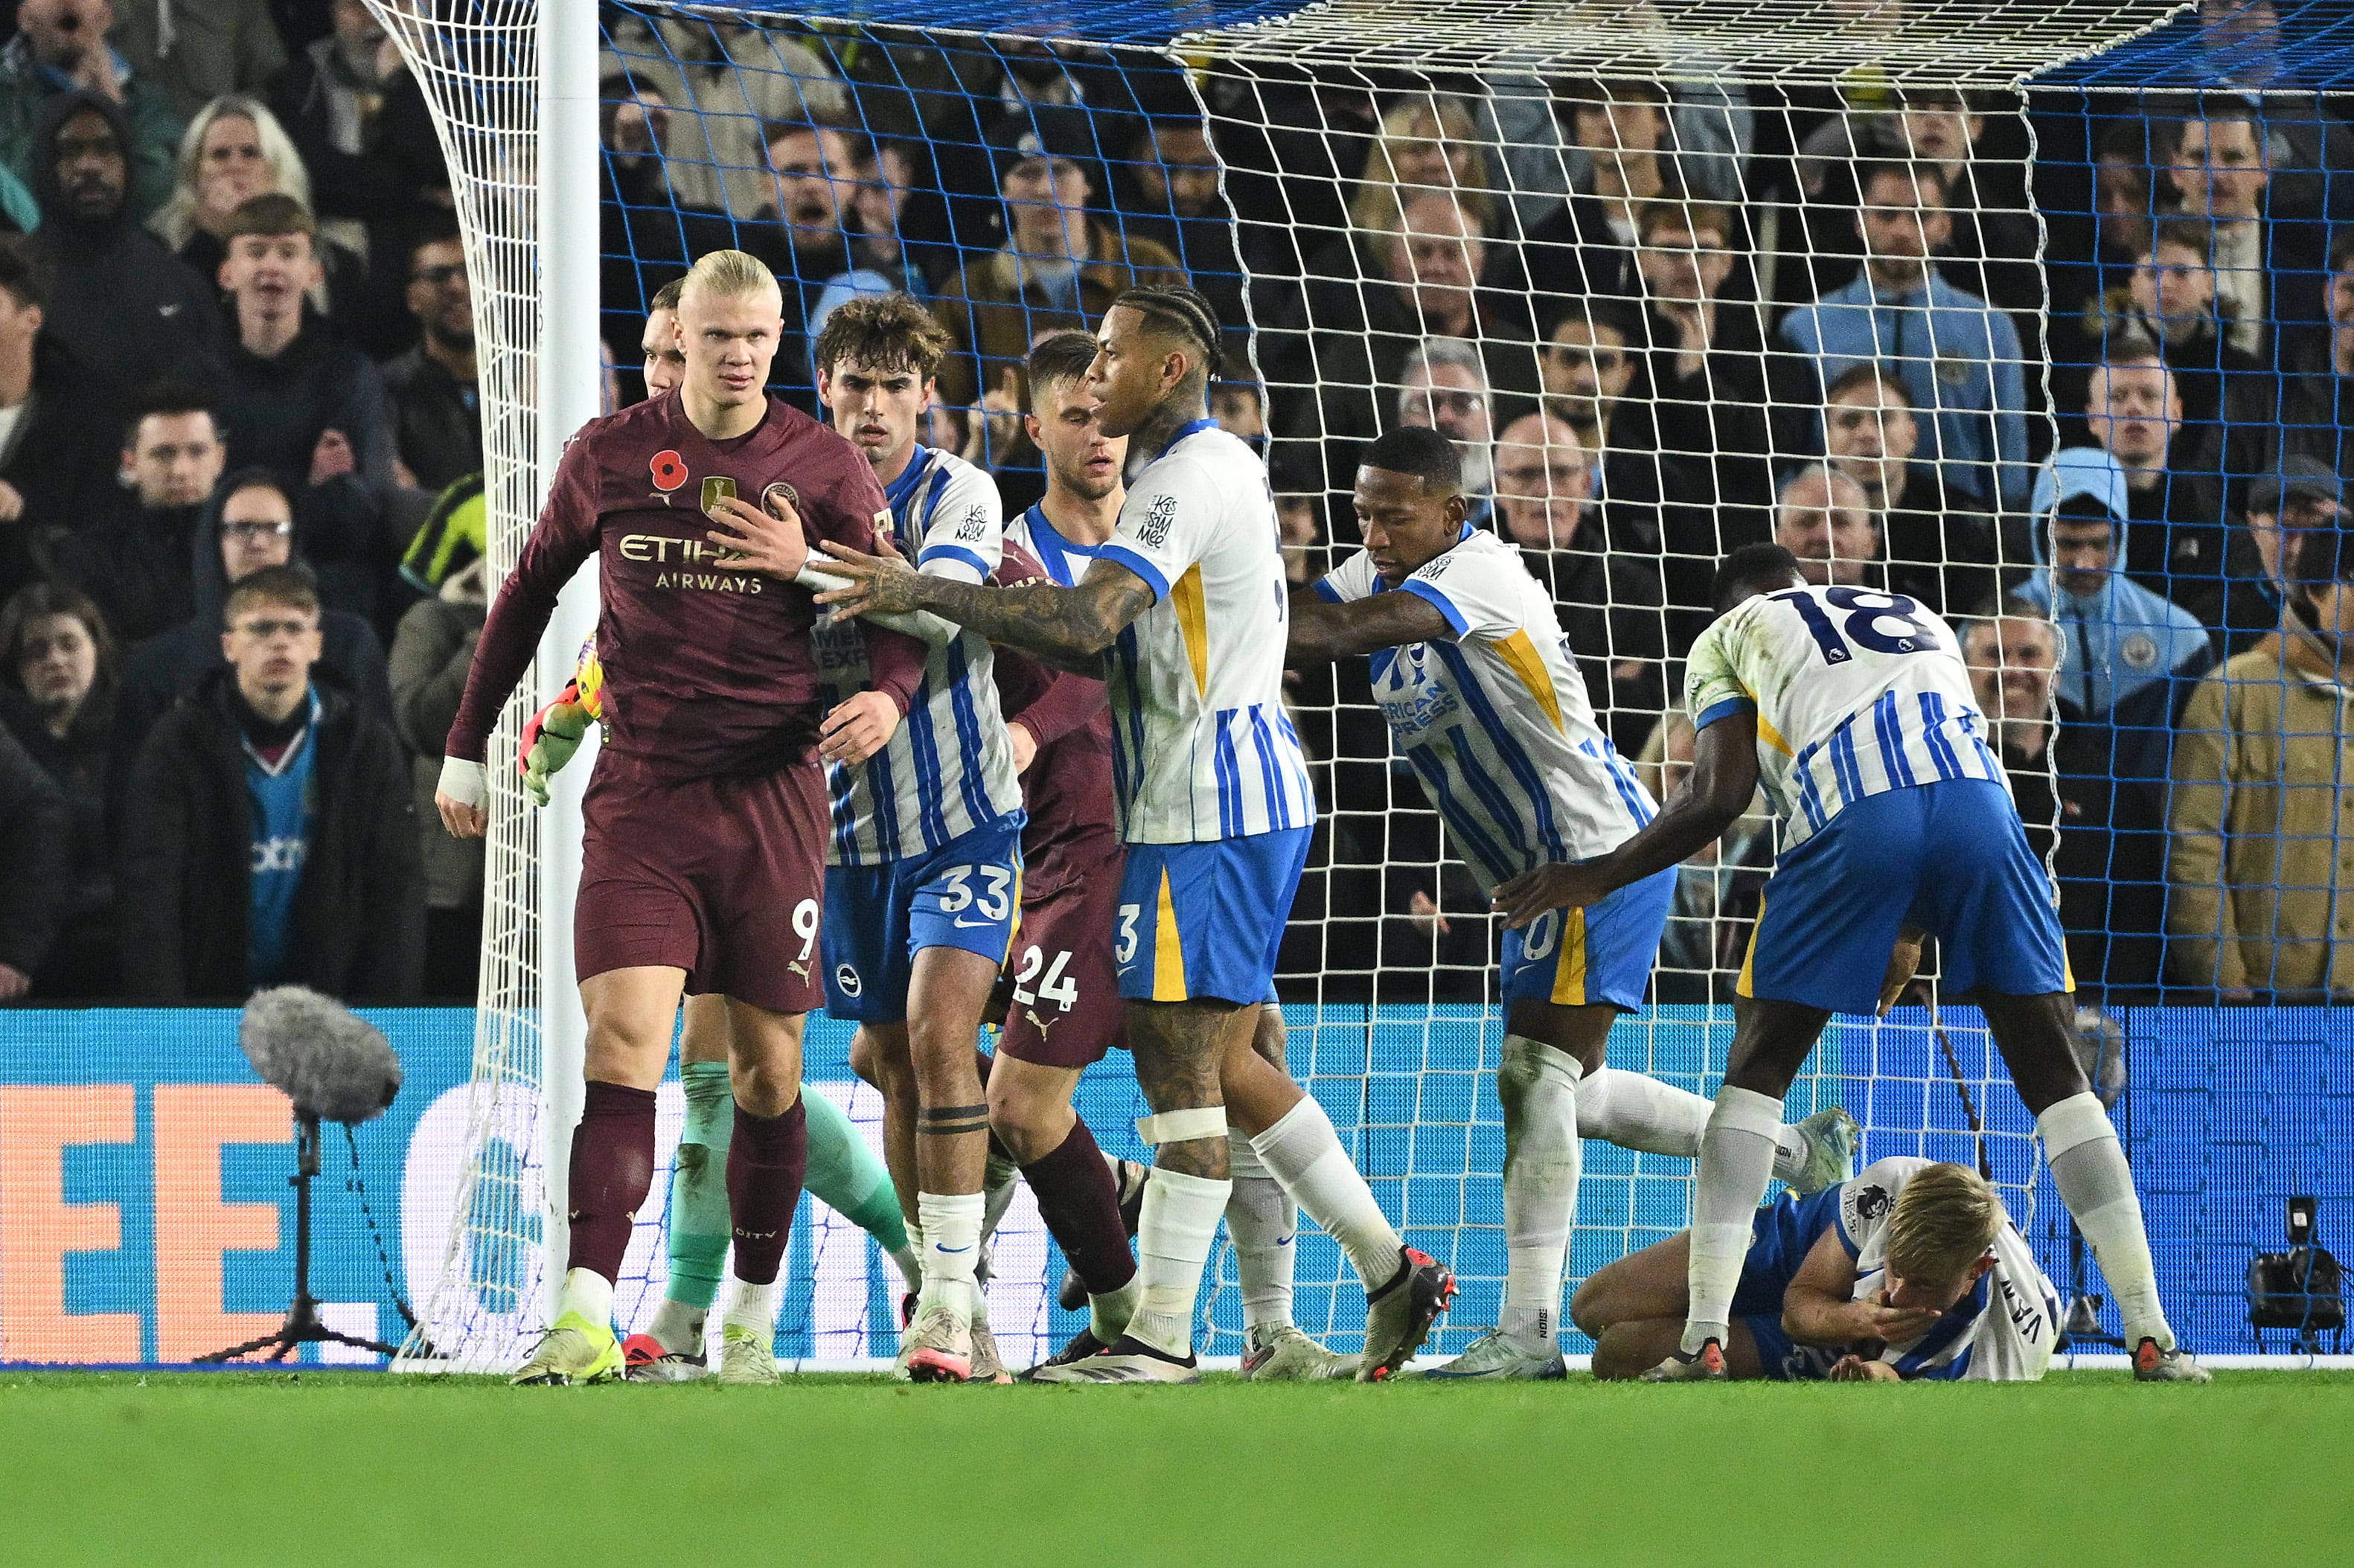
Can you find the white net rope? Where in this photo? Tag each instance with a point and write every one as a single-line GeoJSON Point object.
{"type": "Point", "coordinates": [1574, 239]}
{"type": "Point", "coordinates": [478, 67]}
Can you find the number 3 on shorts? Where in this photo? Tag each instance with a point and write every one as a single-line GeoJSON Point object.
{"type": "Point", "coordinates": [1124, 950]}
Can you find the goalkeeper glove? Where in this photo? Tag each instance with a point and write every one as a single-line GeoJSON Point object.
{"type": "Point", "coordinates": [549, 740]}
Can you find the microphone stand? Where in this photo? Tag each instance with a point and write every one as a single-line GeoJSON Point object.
{"type": "Point", "coordinates": [302, 1325]}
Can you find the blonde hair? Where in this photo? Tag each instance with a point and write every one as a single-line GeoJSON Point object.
{"type": "Point", "coordinates": [727, 274]}
{"type": "Point", "coordinates": [1945, 1219]}
{"type": "Point", "coordinates": [1380, 202]}
{"type": "Point", "coordinates": [176, 224]}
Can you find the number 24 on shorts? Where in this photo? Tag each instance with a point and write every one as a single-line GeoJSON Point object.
{"type": "Point", "coordinates": [1057, 987]}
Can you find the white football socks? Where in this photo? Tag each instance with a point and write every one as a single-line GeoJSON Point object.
{"type": "Point", "coordinates": [1172, 1243]}
{"type": "Point", "coordinates": [588, 1293]}
{"type": "Point", "coordinates": [1634, 1110]}
{"type": "Point", "coordinates": [1262, 1220]}
{"type": "Point", "coordinates": [1543, 1153]}
{"type": "Point", "coordinates": [752, 1308]}
{"type": "Point", "coordinates": [2088, 1166]}
{"type": "Point", "coordinates": [951, 1245]}
{"type": "Point", "coordinates": [1736, 1161]}
{"type": "Point", "coordinates": [678, 1327]}
{"type": "Point", "coordinates": [1303, 1152]}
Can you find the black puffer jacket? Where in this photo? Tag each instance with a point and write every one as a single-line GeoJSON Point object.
{"type": "Point", "coordinates": [185, 884]}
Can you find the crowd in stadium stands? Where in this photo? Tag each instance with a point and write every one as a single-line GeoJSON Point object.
{"type": "Point", "coordinates": [240, 448]}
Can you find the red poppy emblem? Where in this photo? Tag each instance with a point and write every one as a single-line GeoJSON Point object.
{"type": "Point", "coordinates": [669, 469]}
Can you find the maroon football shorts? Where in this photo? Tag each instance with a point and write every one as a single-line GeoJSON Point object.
{"type": "Point", "coordinates": [724, 878]}
{"type": "Point", "coordinates": [1063, 1008]}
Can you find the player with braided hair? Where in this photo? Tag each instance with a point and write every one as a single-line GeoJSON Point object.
{"type": "Point", "coordinates": [1185, 612]}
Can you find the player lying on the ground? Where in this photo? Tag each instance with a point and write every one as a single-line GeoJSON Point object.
{"type": "Point", "coordinates": [1061, 989]}
{"type": "Point", "coordinates": [1910, 1270]}
{"type": "Point", "coordinates": [1483, 698]}
{"type": "Point", "coordinates": [705, 820]}
{"type": "Point", "coordinates": [1187, 598]}
{"type": "Point", "coordinates": [1854, 709]}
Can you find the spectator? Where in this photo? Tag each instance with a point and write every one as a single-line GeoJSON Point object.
{"type": "Point", "coordinates": [1943, 555]}
{"type": "Point", "coordinates": [35, 835]}
{"type": "Point", "coordinates": [437, 408]}
{"type": "Point", "coordinates": [730, 81]}
{"type": "Point", "coordinates": [249, 524]}
{"type": "Point", "coordinates": [888, 240]}
{"type": "Point", "coordinates": [134, 562]}
{"type": "Point", "coordinates": [1428, 145]}
{"type": "Point", "coordinates": [119, 300]}
{"type": "Point", "coordinates": [642, 228]}
{"type": "Point", "coordinates": [1058, 269]}
{"type": "Point", "coordinates": [1823, 517]}
{"type": "Point", "coordinates": [1588, 246]}
{"type": "Point", "coordinates": [1707, 362]}
{"type": "Point", "coordinates": [2099, 835]}
{"type": "Point", "coordinates": [1607, 592]}
{"type": "Point", "coordinates": [233, 151]}
{"type": "Point", "coordinates": [1171, 196]}
{"type": "Point", "coordinates": [1990, 251]}
{"type": "Point", "coordinates": [52, 435]}
{"type": "Point", "coordinates": [361, 125]}
{"type": "Point", "coordinates": [58, 665]}
{"type": "Point", "coordinates": [2263, 870]}
{"type": "Point", "coordinates": [430, 658]}
{"type": "Point", "coordinates": [1443, 385]}
{"type": "Point", "coordinates": [1710, 129]}
{"type": "Point", "coordinates": [2283, 508]}
{"type": "Point", "coordinates": [268, 835]}
{"type": "Point", "coordinates": [2316, 404]}
{"type": "Point", "coordinates": [60, 50]}
{"type": "Point", "coordinates": [196, 53]}
{"type": "Point", "coordinates": [803, 233]}
{"type": "Point", "coordinates": [2169, 301]}
{"type": "Point", "coordinates": [2128, 658]}
{"type": "Point", "coordinates": [308, 407]}
{"type": "Point", "coordinates": [1592, 365]}
{"type": "Point", "coordinates": [1959, 358]}
{"type": "Point", "coordinates": [2174, 534]}
{"type": "Point", "coordinates": [2267, 255]}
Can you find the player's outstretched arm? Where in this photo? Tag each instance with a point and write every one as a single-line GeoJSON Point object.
{"type": "Point", "coordinates": [1722, 780]}
{"type": "Point", "coordinates": [1819, 1307]}
{"type": "Point", "coordinates": [1067, 627]}
{"type": "Point", "coordinates": [1321, 632]}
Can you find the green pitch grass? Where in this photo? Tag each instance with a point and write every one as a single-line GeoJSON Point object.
{"type": "Point", "coordinates": [338, 1469]}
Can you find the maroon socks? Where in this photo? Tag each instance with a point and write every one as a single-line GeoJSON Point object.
{"type": "Point", "coordinates": [766, 1157]}
{"type": "Point", "coordinates": [612, 1166]}
{"type": "Point", "coordinates": [1080, 1203]}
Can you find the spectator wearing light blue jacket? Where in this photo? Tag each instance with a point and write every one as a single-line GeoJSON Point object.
{"type": "Point", "coordinates": [2129, 658]}
{"type": "Point", "coordinates": [1958, 357]}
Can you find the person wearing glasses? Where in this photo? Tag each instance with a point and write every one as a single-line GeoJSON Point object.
{"type": "Point", "coordinates": [268, 837]}
{"type": "Point", "coordinates": [249, 525]}
{"type": "Point", "coordinates": [1444, 386]}
{"type": "Point", "coordinates": [437, 412]}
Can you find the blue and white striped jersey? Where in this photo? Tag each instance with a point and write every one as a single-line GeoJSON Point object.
{"type": "Point", "coordinates": [1496, 722]}
{"type": "Point", "coordinates": [1856, 693]}
{"type": "Point", "coordinates": [2002, 1331]}
{"type": "Point", "coordinates": [950, 767]}
{"type": "Point", "coordinates": [1202, 749]}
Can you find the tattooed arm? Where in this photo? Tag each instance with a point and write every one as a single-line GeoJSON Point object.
{"type": "Point", "coordinates": [1068, 628]}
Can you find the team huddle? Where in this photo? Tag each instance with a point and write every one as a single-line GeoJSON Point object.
{"type": "Point", "coordinates": [870, 744]}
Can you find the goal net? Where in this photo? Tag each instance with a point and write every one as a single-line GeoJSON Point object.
{"type": "Point", "coordinates": [1893, 285]}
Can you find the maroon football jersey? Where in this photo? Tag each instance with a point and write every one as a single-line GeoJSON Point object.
{"type": "Point", "coordinates": [1067, 789]}
{"type": "Point", "coordinates": [708, 670]}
